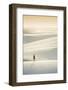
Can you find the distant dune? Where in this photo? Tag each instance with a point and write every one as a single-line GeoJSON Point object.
{"type": "Point", "coordinates": [41, 45]}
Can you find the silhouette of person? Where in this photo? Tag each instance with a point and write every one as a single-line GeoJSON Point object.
{"type": "Point", "coordinates": [34, 57]}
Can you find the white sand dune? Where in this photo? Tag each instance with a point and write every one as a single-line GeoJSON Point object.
{"type": "Point", "coordinates": [44, 44]}
{"type": "Point", "coordinates": [41, 34]}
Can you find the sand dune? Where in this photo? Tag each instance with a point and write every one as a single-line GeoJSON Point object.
{"type": "Point", "coordinates": [44, 44]}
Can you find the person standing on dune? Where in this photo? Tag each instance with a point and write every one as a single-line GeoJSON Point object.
{"type": "Point", "coordinates": [33, 57]}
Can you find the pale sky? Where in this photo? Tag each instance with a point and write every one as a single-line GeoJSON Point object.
{"type": "Point", "coordinates": [40, 24]}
